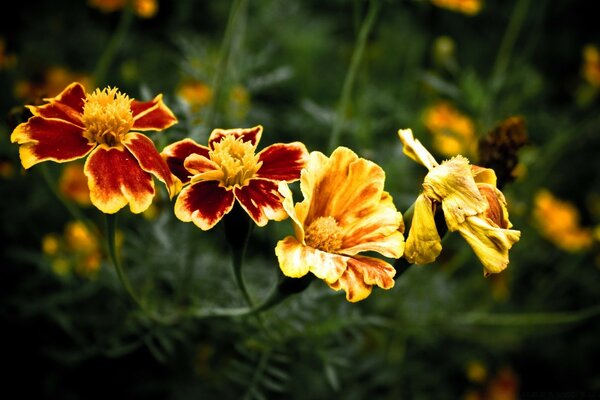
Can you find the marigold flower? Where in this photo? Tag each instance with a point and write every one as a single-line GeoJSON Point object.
{"type": "Point", "coordinates": [73, 184]}
{"type": "Point", "coordinates": [558, 221]}
{"type": "Point", "coordinates": [472, 205]}
{"type": "Point", "coordinates": [453, 132]}
{"type": "Point", "coordinates": [469, 7]}
{"type": "Point", "coordinates": [104, 125]}
{"type": "Point", "coordinates": [345, 212]}
{"type": "Point", "coordinates": [228, 169]}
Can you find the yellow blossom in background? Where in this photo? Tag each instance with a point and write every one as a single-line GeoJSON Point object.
{"type": "Point", "coordinates": [196, 93]}
{"type": "Point", "coordinates": [476, 371]}
{"type": "Point", "coordinates": [7, 60]}
{"type": "Point", "coordinates": [558, 221]}
{"type": "Point", "coordinates": [468, 7]}
{"type": "Point", "coordinates": [73, 184]}
{"type": "Point", "coordinates": [471, 203]}
{"type": "Point", "coordinates": [142, 8]}
{"type": "Point", "coordinates": [591, 65]}
{"type": "Point", "coordinates": [77, 250]}
{"type": "Point", "coordinates": [54, 80]}
{"type": "Point", "coordinates": [453, 132]}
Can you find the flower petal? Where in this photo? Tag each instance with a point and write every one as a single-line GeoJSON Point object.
{"type": "Point", "coordinates": [360, 276]}
{"type": "Point", "coordinates": [489, 242]}
{"type": "Point", "coordinates": [415, 150]}
{"type": "Point", "coordinates": [380, 230]}
{"type": "Point", "coordinates": [297, 214]}
{"type": "Point", "coordinates": [452, 184]}
{"type": "Point", "coordinates": [197, 164]}
{"type": "Point", "coordinates": [282, 162]}
{"type": "Point", "coordinates": [261, 200]}
{"type": "Point", "coordinates": [251, 135]}
{"type": "Point", "coordinates": [152, 115]}
{"type": "Point", "coordinates": [423, 244]}
{"type": "Point", "coordinates": [176, 153]}
{"type": "Point", "coordinates": [67, 106]}
{"type": "Point", "coordinates": [115, 178]}
{"type": "Point", "coordinates": [203, 203]}
{"type": "Point", "coordinates": [150, 160]}
{"type": "Point", "coordinates": [44, 139]}
{"type": "Point", "coordinates": [295, 260]}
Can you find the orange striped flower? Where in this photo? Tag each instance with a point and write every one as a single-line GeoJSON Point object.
{"type": "Point", "coordinates": [104, 126]}
{"type": "Point", "coordinates": [345, 212]}
{"type": "Point", "coordinates": [229, 169]}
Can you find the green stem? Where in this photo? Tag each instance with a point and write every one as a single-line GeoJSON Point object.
{"type": "Point", "coordinates": [115, 42]}
{"type": "Point", "coordinates": [237, 10]}
{"type": "Point", "coordinates": [357, 56]}
{"type": "Point", "coordinates": [238, 227]}
{"type": "Point", "coordinates": [111, 222]}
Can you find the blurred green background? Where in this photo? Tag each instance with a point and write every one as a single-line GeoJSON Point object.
{"type": "Point", "coordinates": [327, 73]}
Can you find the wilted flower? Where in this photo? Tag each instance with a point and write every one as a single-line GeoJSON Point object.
{"type": "Point", "coordinates": [345, 212]}
{"type": "Point", "coordinates": [229, 169]}
{"type": "Point", "coordinates": [453, 132]}
{"type": "Point", "coordinates": [104, 126]}
{"type": "Point", "coordinates": [469, 7]}
{"type": "Point", "coordinates": [558, 221]}
{"type": "Point", "coordinates": [471, 203]}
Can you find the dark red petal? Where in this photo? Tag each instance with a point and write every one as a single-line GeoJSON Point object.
{"type": "Point", "coordinates": [115, 178]}
{"type": "Point", "coordinates": [150, 160]}
{"type": "Point", "coordinates": [203, 203]}
{"type": "Point", "coordinates": [68, 105]}
{"type": "Point", "coordinates": [282, 162]}
{"type": "Point", "coordinates": [261, 200]}
{"type": "Point", "coordinates": [251, 135]}
{"type": "Point", "coordinates": [176, 153]}
{"type": "Point", "coordinates": [50, 139]}
{"type": "Point", "coordinates": [151, 115]}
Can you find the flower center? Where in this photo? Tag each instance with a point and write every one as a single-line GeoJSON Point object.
{"type": "Point", "coordinates": [107, 116]}
{"type": "Point", "coordinates": [237, 161]}
{"type": "Point", "coordinates": [325, 234]}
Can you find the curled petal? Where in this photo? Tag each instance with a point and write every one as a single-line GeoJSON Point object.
{"type": "Point", "coordinates": [115, 178]}
{"type": "Point", "coordinates": [203, 203]}
{"type": "Point", "coordinates": [282, 162]}
{"type": "Point", "coordinates": [489, 242]}
{"type": "Point", "coordinates": [261, 200]}
{"type": "Point", "coordinates": [150, 160]}
{"type": "Point", "coordinates": [67, 106]}
{"type": "Point", "coordinates": [176, 153]}
{"type": "Point", "coordinates": [483, 175]}
{"type": "Point", "coordinates": [379, 230]}
{"type": "Point", "coordinates": [453, 185]}
{"type": "Point", "coordinates": [197, 164]}
{"type": "Point", "coordinates": [415, 150]}
{"type": "Point", "coordinates": [496, 210]}
{"type": "Point", "coordinates": [152, 115]}
{"type": "Point", "coordinates": [251, 135]}
{"type": "Point", "coordinates": [360, 276]}
{"type": "Point", "coordinates": [44, 139]}
{"type": "Point", "coordinates": [296, 260]}
{"type": "Point", "coordinates": [423, 244]}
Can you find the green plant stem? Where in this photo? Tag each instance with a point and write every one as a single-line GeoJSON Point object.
{"type": "Point", "coordinates": [355, 62]}
{"type": "Point", "coordinates": [113, 45]}
{"type": "Point", "coordinates": [111, 222]}
{"type": "Point", "coordinates": [238, 9]}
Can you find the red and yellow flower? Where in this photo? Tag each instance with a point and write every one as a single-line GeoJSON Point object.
{"type": "Point", "coordinates": [105, 126]}
{"type": "Point", "coordinates": [472, 205]}
{"type": "Point", "coordinates": [229, 169]}
{"type": "Point", "coordinates": [345, 212]}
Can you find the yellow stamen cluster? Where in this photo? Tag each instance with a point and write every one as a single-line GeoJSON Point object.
{"type": "Point", "coordinates": [236, 159]}
{"type": "Point", "coordinates": [107, 116]}
{"type": "Point", "coordinates": [325, 234]}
